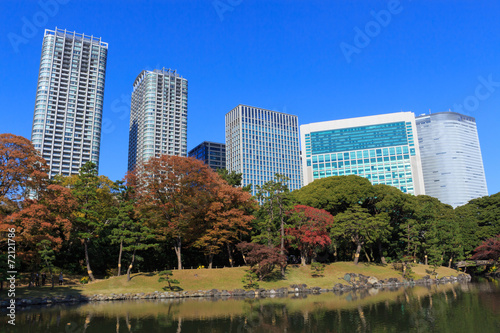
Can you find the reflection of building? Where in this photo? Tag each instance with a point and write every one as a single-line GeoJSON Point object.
{"type": "Point", "coordinates": [380, 148]}
{"type": "Point", "coordinates": [158, 116]}
{"type": "Point", "coordinates": [261, 143]}
{"type": "Point", "coordinates": [212, 153]}
{"type": "Point", "coordinates": [451, 157]}
{"type": "Point", "coordinates": [68, 107]}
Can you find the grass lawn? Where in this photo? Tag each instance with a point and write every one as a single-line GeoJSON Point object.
{"type": "Point", "coordinates": [223, 279]}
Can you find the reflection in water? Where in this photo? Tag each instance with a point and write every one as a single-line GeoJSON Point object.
{"type": "Point", "coordinates": [443, 308]}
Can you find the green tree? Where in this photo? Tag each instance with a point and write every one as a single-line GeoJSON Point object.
{"type": "Point", "coordinates": [335, 194]}
{"type": "Point", "coordinates": [355, 224]}
{"type": "Point", "coordinates": [274, 197]}
{"type": "Point", "coordinates": [96, 205]}
{"type": "Point", "coordinates": [233, 178]}
{"type": "Point", "coordinates": [128, 229]}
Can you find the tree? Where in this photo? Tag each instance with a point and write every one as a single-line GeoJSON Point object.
{"type": "Point", "coordinates": [274, 197]}
{"type": "Point", "coordinates": [96, 205]}
{"type": "Point", "coordinates": [482, 215]}
{"type": "Point", "coordinates": [233, 178]}
{"type": "Point", "coordinates": [357, 225]}
{"type": "Point", "coordinates": [167, 276]}
{"type": "Point", "coordinates": [227, 218]}
{"type": "Point", "coordinates": [172, 192]}
{"type": "Point", "coordinates": [262, 259]}
{"type": "Point", "coordinates": [22, 172]}
{"type": "Point", "coordinates": [335, 194]}
{"type": "Point", "coordinates": [310, 232]}
{"type": "Point", "coordinates": [128, 229]}
{"type": "Point", "coordinates": [44, 223]}
{"type": "Point", "coordinates": [489, 249]}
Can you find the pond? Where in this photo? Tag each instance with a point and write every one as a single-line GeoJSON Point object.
{"type": "Point", "coordinates": [467, 307]}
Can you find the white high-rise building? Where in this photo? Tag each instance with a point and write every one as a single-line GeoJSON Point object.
{"type": "Point", "coordinates": [451, 157]}
{"type": "Point", "coordinates": [261, 143]}
{"type": "Point", "coordinates": [381, 148]}
{"type": "Point", "coordinates": [158, 116]}
{"type": "Point", "coordinates": [69, 100]}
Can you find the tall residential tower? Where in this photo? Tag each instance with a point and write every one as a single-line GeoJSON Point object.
{"type": "Point", "coordinates": [451, 157]}
{"type": "Point", "coordinates": [158, 116]}
{"type": "Point", "coordinates": [380, 148]}
{"type": "Point", "coordinates": [69, 99]}
{"type": "Point", "coordinates": [261, 143]}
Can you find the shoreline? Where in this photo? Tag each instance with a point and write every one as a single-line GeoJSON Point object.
{"type": "Point", "coordinates": [359, 282]}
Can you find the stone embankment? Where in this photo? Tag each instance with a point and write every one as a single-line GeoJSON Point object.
{"type": "Point", "coordinates": [352, 281]}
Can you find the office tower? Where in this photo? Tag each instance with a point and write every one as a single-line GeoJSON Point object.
{"type": "Point", "coordinates": [69, 98]}
{"type": "Point", "coordinates": [212, 153]}
{"type": "Point", "coordinates": [158, 116]}
{"type": "Point", "coordinates": [261, 143]}
{"type": "Point", "coordinates": [380, 148]}
{"type": "Point", "coordinates": [451, 157]}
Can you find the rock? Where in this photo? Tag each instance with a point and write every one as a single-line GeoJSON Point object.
{"type": "Point", "coordinates": [372, 280]}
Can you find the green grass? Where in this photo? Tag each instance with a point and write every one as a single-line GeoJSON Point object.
{"type": "Point", "coordinates": [224, 279]}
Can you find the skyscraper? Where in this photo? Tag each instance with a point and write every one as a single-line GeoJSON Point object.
{"type": "Point", "coordinates": [158, 116]}
{"type": "Point", "coordinates": [451, 157]}
{"type": "Point", "coordinates": [212, 153]}
{"type": "Point", "coordinates": [69, 99]}
{"type": "Point", "coordinates": [261, 143]}
{"type": "Point", "coordinates": [380, 148]}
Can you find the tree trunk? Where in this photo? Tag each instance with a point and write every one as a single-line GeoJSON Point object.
{"type": "Point", "coordinates": [230, 255]}
{"type": "Point", "coordinates": [356, 255]}
{"type": "Point", "coordinates": [381, 252]}
{"type": "Point", "coordinates": [89, 271]}
{"type": "Point", "coordinates": [449, 262]}
{"type": "Point", "coordinates": [131, 265]}
{"type": "Point", "coordinates": [177, 248]}
{"type": "Point", "coordinates": [303, 258]}
{"type": "Point", "coordinates": [366, 255]}
{"type": "Point", "coordinates": [210, 260]}
{"type": "Point", "coordinates": [120, 258]}
{"type": "Point", "coordinates": [335, 252]}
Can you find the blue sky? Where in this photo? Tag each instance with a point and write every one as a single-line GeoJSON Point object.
{"type": "Point", "coordinates": [319, 60]}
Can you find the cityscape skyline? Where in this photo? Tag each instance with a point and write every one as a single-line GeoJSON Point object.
{"type": "Point", "coordinates": [474, 88]}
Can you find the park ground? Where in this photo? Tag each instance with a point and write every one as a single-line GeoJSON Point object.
{"type": "Point", "coordinates": [222, 279]}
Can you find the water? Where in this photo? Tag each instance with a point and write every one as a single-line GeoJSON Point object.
{"type": "Point", "coordinates": [473, 307]}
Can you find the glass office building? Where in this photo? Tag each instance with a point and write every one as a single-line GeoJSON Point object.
{"type": "Point", "coordinates": [380, 148]}
{"type": "Point", "coordinates": [69, 100]}
{"type": "Point", "coordinates": [212, 153]}
{"type": "Point", "coordinates": [261, 143]}
{"type": "Point", "coordinates": [451, 157]}
{"type": "Point", "coordinates": [158, 116]}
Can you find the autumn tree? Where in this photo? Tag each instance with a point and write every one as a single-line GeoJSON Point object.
{"type": "Point", "coordinates": [489, 249]}
{"type": "Point", "coordinates": [23, 172]}
{"type": "Point", "coordinates": [43, 224]}
{"type": "Point", "coordinates": [172, 192]}
{"type": "Point", "coordinates": [227, 218]}
{"type": "Point", "coordinates": [310, 231]}
{"type": "Point", "coordinates": [262, 259]}
{"type": "Point", "coordinates": [96, 205]}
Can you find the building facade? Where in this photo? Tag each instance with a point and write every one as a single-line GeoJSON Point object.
{"type": "Point", "coordinates": [212, 153]}
{"type": "Point", "coordinates": [158, 116]}
{"type": "Point", "coordinates": [261, 143]}
{"type": "Point", "coordinates": [452, 163]}
{"type": "Point", "coordinates": [380, 148]}
{"type": "Point", "coordinates": [69, 100]}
